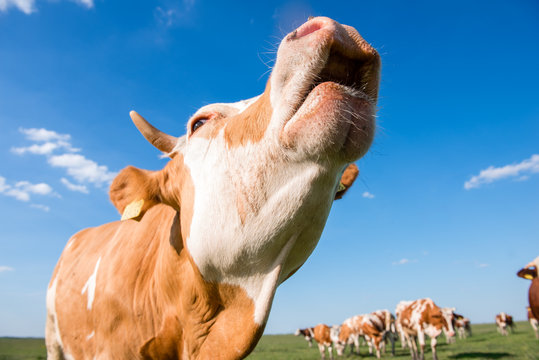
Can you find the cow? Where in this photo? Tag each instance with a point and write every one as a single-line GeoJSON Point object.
{"type": "Point", "coordinates": [419, 318]}
{"type": "Point", "coordinates": [462, 325]}
{"type": "Point", "coordinates": [503, 322]}
{"type": "Point", "coordinates": [388, 321]}
{"type": "Point", "coordinates": [534, 322]}
{"type": "Point", "coordinates": [325, 336]}
{"type": "Point", "coordinates": [307, 333]}
{"type": "Point", "coordinates": [400, 307]}
{"type": "Point", "coordinates": [530, 272]}
{"type": "Point", "coordinates": [368, 325]}
{"type": "Point", "coordinates": [449, 313]}
{"type": "Point", "coordinates": [204, 242]}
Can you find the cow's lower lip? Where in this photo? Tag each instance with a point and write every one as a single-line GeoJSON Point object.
{"type": "Point", "coordinates": [340, 117]}
{"type": "Point", "coordinates": [329, 91]}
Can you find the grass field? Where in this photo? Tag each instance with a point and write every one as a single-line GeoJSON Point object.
{"type": "Point", "coordinates": [485, 343]}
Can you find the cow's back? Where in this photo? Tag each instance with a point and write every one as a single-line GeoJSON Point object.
{"type": "Point", "coordinates": [99, 297]}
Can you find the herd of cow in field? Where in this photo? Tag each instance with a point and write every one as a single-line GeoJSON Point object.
{"type": "Point", "coordinates": [411, 322]}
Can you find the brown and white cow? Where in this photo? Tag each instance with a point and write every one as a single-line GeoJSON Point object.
{"type": "Point", "coordinates": [325, 336]}
{"type": "Point", "coordinates": [192, 270]}
{"type": "Point", "coordinates": [369, 326]}
{"type": "Point", "coordinates": [389, 334]}
{"type": "Point", "coordinates": [307, 333]}
{"type": "Point", "coordinates": [534, 322]}
{"type": "Point", "coordinates": [419, 318]}
{"type": "Point", "coordinates": [462, 325]}
{"type": "Point", "coordinates": [503, 322]}
{"type": "Point", "coordinates": [530, 272]}
{"type": "Point", "coordinates": [398, 310]}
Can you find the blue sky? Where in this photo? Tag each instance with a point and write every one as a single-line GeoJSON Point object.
{"type": "Point", "coordinates": [447, 203]}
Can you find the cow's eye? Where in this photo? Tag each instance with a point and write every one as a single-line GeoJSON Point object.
{"type": "Point", "coordinates": [198, 123]}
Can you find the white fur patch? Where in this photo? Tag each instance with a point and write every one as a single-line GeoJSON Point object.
{"type": "Point", "coordinates": [90, 285]}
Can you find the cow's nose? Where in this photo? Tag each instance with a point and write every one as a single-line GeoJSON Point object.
{"type": "Point", "coordinates": [311, 26]}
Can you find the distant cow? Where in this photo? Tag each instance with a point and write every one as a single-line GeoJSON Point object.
{"type": "Point", "coordinates": [191, 270]}
{"type": "Point", "coordinates": [400, 307]}
{"type": "Point", "coordinates": [462, 325]}
{"type": "Point", "coordinates": [534, 322]}
{"type": "Point", "coordinates": [503, 322]}
{"type": "Point", "coordinates": [450, 314]}
{"type": "Point", "coordinates": [368, 325]}
{"type": "Point", "coordinates": [325, 336]}
{"type": "Point", "coordinates": [419, 318]}
{"type": "Point", "coordinates": [308, 334]}
{"type": "Point", "coordinates": [390, 333]}
{"type": "Point", "coordinates": [530, 272]}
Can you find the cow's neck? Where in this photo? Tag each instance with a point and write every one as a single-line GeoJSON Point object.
{"type": "Point", "coordinates": [200, 317]}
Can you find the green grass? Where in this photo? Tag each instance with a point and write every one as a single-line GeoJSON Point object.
{"type": "Point", "coordinates": [22, 349]}
{"type": "Point", "coordinates": [485, 343]}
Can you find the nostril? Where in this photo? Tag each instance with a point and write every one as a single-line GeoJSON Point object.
{"type": "Point", "coordinates": [308, 28]}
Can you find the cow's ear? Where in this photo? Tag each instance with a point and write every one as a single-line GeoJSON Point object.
{"type": "Point", "coordinates": [134, 191]}
{"type": "Point", "coordinates": [347, 179]}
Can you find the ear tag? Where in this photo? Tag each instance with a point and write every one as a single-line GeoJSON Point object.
{"type": "Point", "coordinates": [133, 209]}
{"type": "Point", "coordinates": [341, 187]}
{"type": "Point", "coordinates": [528, 276]}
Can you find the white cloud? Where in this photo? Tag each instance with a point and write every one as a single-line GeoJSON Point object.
{"type": "Point", "coordinates": [3, 186]}
{"type": "Point", "coordinates": [368, 195]}
{"type": "Point", "coordinates": [74, 187]}
{"type": "Point", "coordinates": [40, 207]}
{"type": "Point", "coordinates": [26, 6]}
{"type": "Point", "coordinates": [174, 15]}
{"type": "Point", "coordinates": [520, 171]}
{"type": "Point", "coordinates": [43, 134]}
{"type": "Point", "coordinates": [83, 169]}
{"type": "Point", "coordinates": [22, 190]}
{"type": "Point", "coordinates": [4, 268]}
{"type": "Point", "coordinates": [403, 261]}
{"type": "Point", "coordinates": [482, 265]}
{"type": "Point", "coordinates": [44, 149]}
{"type": "Point", "coordinates": [88, 3]}
{"type": "Point", "coordinates": [78, 166]}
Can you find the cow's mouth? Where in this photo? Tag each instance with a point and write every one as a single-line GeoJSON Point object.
{"type": "Point", "coordinates": [353, 74]}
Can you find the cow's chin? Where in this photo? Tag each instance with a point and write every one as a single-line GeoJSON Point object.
{"type": "Point", "coordinates": [334, 120]}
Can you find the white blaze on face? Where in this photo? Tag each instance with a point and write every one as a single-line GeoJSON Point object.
{"type": "Point", "coordinates": [90, 285]}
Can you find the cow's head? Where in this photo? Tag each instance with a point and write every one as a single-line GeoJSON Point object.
{"type": "Point", "coordinates": [254, 181]}
{"type": "Point", "coordinates": [446, 316]}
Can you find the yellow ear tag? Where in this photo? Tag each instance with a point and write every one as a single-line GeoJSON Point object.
{"type": "Point", "coordinates": [133, 209]}
{"type": "Point", "coordinates": [528, 276]}
{"type": "Point", "coordinates": [341, 187]}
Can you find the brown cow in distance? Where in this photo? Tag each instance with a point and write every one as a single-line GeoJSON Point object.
{"type": "Point", "coordinates": [191, 270]}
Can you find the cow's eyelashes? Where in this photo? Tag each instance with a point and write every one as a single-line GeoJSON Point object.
{"type": "Point", "coordinates": [197, 124]}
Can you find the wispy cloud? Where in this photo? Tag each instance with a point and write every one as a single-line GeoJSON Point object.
{"type": "Point", "coordinates": [26, 6]}
{"type": "Point", "coordinates": [482, 265]}
{"type": "Point", "coordinates": [83, 170]}
{"type": "Point", "coordinates": [368, 195]}
{"type": "Point", "coordinates": [40, 207]}
{"type": "Point", "coordinates": [22, 190]}
{"type": "Point", "coordinates": [404, 261]}
{"type": "Point", "coordinates": [4, 268]}
{"type": "Point", "coordinates": [174, 15]}
{"type": "Point", "coordinates": [74, 187]}
{"type": "Point", "coordinates": [87, 3]}
{"type": "Point", "coordinates": [520, 172]}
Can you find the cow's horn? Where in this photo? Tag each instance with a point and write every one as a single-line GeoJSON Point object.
{"type": "Point", "coordinates": [157, 138]}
